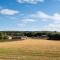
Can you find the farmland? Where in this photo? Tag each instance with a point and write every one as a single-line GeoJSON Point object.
{"type": "Point", "coordinates": [30, 49]}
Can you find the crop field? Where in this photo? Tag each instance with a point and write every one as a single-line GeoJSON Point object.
{"type": "Point", "coordinates": [30, 49]}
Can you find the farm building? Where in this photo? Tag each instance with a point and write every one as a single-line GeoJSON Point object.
{"type": "Point", "coordinates": [37, 37]}
{"type": "Point", "coordinates": [23, 37]}
{"type": "Point", "coordinates": [44, 37]}
{"type": "Point", "coordinates": [9, 37]}
{"type": "Point", "coordinates": [17, 37]}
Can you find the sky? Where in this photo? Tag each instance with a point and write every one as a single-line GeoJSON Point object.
{"type": "Point", "coordinates": [29, 15]}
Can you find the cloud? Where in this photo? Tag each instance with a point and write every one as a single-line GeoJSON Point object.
{"type": "Point", "coordinates": [28, 20]}
{"type": "Point", "coordinates": [56, 16]}
{"type": "Point", "coordinates": [8, 12]}
{"type": "Point", "coordinates": [39, 15]}
{"type": "Point", "coordinates": [24, 22]}
{"type": "Point", "coordinates": [52, 27]}
{"type": "Point", "coordinates": [43, 16]}
{"type": "Point", "coordinates": [30, 1]}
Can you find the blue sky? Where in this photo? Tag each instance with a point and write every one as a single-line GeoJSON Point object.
{"type": "Point", "coordinates": [30, 15]}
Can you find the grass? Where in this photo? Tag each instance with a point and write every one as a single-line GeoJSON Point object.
{"type": "Point", "coordinates": [30, 49]}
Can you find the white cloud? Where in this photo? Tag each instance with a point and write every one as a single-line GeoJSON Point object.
{"type": "Point", "coordinates": [24, 22]}
{"type": "Point", "coordinates": [21, 24]}
{"type": "Point", "coordinates": [28, 20]}
{"type": "Point", "coordinates": [40, 14]}
{"type": "Point", "coordinates": [30, 1]}
{"type": "Point", "coordinates": [56, 16]}
{"type": "Point", "coordinates": [8, 12]}
{"type": "Point", "coordinates": [52, 27]}
{"type": "Point", "coordinates": [55, 23]}
{"type": "Point", "coordinates": [44, 16]}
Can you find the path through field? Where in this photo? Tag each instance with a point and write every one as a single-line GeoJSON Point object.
{"type": "Point", "coordinates": [30, 49]}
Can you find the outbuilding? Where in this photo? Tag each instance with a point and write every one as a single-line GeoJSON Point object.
{"type": "Point", "coordinates": [9, 37]}
{"type": "Point", "coordinates": [19, 37]}
{"type": "Point", "coordinates": [44, 37]}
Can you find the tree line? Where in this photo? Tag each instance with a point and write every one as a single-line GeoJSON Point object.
{"type": "Point", "coordinates": [53, 35]}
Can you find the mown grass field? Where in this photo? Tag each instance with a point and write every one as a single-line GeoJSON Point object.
{"type": "Point", "coordinates": [30, 49]}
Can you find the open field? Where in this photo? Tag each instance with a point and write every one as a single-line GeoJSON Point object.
{"type": "Point", "coordinates": [30, 49]}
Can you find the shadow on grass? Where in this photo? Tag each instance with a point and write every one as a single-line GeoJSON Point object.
{"type": "Point", "coordinates": [7, 40]}
{"type": "Point", "coordinates": [54, 39]}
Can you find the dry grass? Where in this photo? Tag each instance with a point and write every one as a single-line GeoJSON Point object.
{"type": "Point", "coordinates": [30, 49]}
